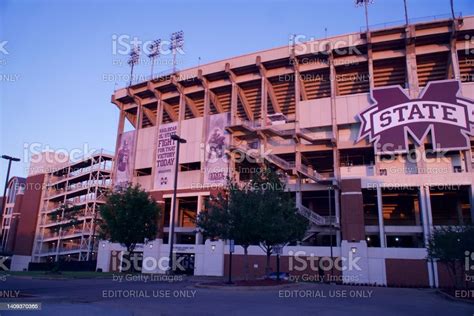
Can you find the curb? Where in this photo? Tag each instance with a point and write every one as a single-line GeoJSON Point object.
{"type": "Point", "coordinates": [244, 288]}
{"type": "Point", "coordinates": [452, 298]}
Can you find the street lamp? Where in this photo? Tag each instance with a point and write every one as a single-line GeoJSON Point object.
{"type": "Point", "coordinates": [177, 42]}
{"type": "Point", "coordinates": [179, 141]}
{"type": "Point", "coordinates": [10, 159]}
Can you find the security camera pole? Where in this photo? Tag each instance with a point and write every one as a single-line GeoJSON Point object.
{"type": "Point", "coordinates": [179, 141]}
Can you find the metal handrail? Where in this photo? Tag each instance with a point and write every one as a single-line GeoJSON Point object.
{"type": "Point", "coordinates": [429, 18]}
{"type": "Point", "coordinates": [280, 161]}
{"type": "Point", "coordinates": [310, 172]}
{"type": "Point", "coordinates": [312, 216]}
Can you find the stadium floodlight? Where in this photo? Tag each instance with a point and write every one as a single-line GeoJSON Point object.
{"type": "Point", "coordinates": [154, 53]}
{"type": "Point", "coordinates": [177, 42]}
{"type": "Point", "coordinates": [365, 4]}
{"type": "Point", "coordinates": [133, 59]}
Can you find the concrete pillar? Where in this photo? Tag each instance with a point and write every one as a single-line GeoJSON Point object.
{"type": "Point", "coordinates": [459, 212]}
{"type": "Point", "coordinates": [173, 217]}
{"type": "Point", "coordinates": [152, 258]}
{"type": "Point", "coordinates": [428, 208]}
{"type": "Point", "coordinates": [471, 202]}
{"type": "Point", "coordinates": [233, 104]}
{"type": "Point", "coordinates": [264, 101]}
{"type": "Point", "coordinates": [337, 206]}
{"type": "Point", "coordinates": [410, 52]}
{"type": "Point", "coordinates": [159, 119]}
{"type": "Point", "coordinates": [199, 236]}
{"type": "Point", "coordinates": [424, 214]}
{"type": "Point", "coordinates": [426, 218]}
{"type": "Point", "coordinates": [352, 216]}
{"type": "Point", "coordinates": [357, 250]}
{"type": "Point", "coordinates": [380, 217]}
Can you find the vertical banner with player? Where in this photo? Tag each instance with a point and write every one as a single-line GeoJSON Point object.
{"type": "Point", "coordinates": [124, 161]}
{"type": "Point", "coordinates": [217, 141]}
{"type": "Point", "coordinates": [165, 157]}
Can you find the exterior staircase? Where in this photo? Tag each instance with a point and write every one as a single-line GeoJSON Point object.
{"type": "Point", "coordinates": [313, 217]}
{"type": "Point", "coordinates": [317, 219]}
{"type": "Point", "coordinates": [310, 173]}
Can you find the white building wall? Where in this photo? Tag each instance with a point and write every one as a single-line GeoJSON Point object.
{"type": "Point", "coordinates": [20, 263]}
{"type": "Point", "coordinates": [146, 140]}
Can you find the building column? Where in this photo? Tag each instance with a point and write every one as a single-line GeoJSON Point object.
{"type": "Point", "coordinates": [199, 236]}
{"type": "Point", "coordinates": [337, 206]}
{"type": "Point", "coordinates": [352, 216]}
{"type": "Point", "coordinates": [424, 214]}
{"type": "Point", "coordinates": [471, 202]}
{"type": "Point", "coordinates": [233, 104]}
{"type": "Point", "coordinates": [380, 217]}
{"type": "Point", "coordinates": [159, 120]}
{"type": "Point", "coordinates": [424, 197]}
{"type": "Point", "coordinates": [173, 217]}
{"type": "Point", "coordinates": [264, 101]}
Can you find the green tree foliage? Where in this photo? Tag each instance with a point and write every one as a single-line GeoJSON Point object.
{"type": "Point", "coordinates": [280, 224]}
{"type": "Point", "coordinates": [451, 245]}
{"type": "Point", "coordinates": [259, 212]}
{"type": "Point", "coordinates": [129, 216]}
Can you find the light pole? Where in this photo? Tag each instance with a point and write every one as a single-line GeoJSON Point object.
{"type": "Point", "coordinates": [155, 52]}
{"type": "Point", "coordinates": [10, 159]}
{"type": "Point", "coordinates": [177, 42]}
{"type": "Point", "coordinates": [406, 11]}
{"type": "Point", "coordinates": [365, 3]}
{"type": "Point", "coordinates": [133, 59]}
{"type": "Point", "coordinates": [451, 2]}
{"type": "Point", "coordinates": [179, 141]}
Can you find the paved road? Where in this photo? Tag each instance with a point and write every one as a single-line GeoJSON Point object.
{"type": "Point", "coordinates": [109, 297]}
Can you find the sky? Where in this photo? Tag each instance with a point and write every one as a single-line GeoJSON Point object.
{"type": "Point", "coordinates": [60, 61]}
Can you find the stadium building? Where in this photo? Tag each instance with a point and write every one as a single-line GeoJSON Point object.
{"type": "Point", "coordinates": [373, 130]}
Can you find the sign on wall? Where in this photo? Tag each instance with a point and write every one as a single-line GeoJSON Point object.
{"type": "Point", "coordinates": [124, 161]}
{"type": "Point", "coordinates": [440, 109]}
{"type": "Point", "coordinates": [217, 141]}
{"type": "Point", "coordinates": [165, 157]}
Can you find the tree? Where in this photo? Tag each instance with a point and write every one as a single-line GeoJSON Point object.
{"type": "Point", "coordinates": [129, 217]}
{"type": "Point", "coordinates": [231, 215]}
{"type": "Point", "coordinates": [449, 245]}
{"type": "Point", "coordinates": [259, 212]}
{"type": "Point", "coordinates": [279, 223]}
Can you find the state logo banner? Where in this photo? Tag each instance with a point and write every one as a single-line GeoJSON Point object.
{"type": "Point", "coordinates": [440, 109]}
